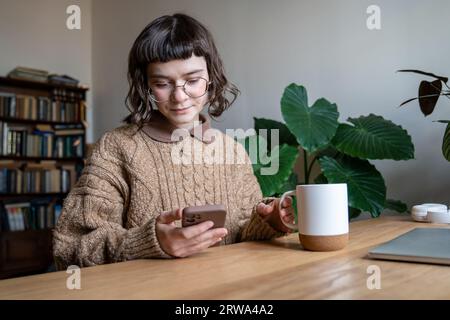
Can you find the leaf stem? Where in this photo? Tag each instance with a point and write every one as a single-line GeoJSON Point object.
{"type": "Point", "coordinates": [442, 92]}
{"type": "Point", "coordinates": [305, 166]}
{"type": "Point", "coordinates": [311, 166]}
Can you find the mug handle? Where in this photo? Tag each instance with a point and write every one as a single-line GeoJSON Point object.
{"type": "Point", "coordinates": [286, 194]}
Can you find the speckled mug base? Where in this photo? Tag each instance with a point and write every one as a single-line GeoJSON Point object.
{"type": "Point", "coordinates": [324, 243]}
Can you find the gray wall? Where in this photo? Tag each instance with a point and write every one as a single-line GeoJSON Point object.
{"type": "Point", "coordinates": [34, 34]}
{"type": "Point", "coordinates": [265, 45]}
{"type": "Point", "coordinates": [324, 45]}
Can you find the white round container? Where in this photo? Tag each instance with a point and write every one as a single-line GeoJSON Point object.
{"type": "Point", "coordinates": [420, 212]}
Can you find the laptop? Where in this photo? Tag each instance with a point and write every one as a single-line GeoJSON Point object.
{"type": "Point", "coordinates": [424, 245]}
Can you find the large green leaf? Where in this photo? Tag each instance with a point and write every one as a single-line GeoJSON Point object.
{"type": "Point", "coordinates": [446, 143]}
{"type": "Point", "coordinates": [271, 171]}
{"type": "Point", "coordinates": [284, 135]}
{"type": "Point", "coordinates": [353, 213]}
{"type": "Point", "coordinates": [396, 205]}
{"type": "Point", "coordinates": [315, 126]}
{"type": "Point", "coordinates": [290, 184]}
{"type": "Point", "coordinates": [365, 185]}
{"type": "Point", "coordinates": [372, 137]}
{"type": "Point", "coordinates": [321, 179]}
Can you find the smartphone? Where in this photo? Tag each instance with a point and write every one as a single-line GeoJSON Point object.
{"type": "Point", "coordinates": [210, 212]}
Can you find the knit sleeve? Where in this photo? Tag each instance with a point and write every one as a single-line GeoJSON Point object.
{"type": "Point", "coordinates": [90, 230]}
{"type": "Point", "coordinates": [249, 195]}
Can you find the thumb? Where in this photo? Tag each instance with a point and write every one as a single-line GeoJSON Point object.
{"type": "Point", "coordinates": [265, 209]}
{"type": "Point", "coordinates": [167, 217]}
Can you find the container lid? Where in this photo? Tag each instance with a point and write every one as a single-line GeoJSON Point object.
{"type": "Point", "coordinates": [438, 216]}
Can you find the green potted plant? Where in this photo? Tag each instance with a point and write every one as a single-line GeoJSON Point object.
{"type": "Point", "coordinates": [428, 96]}
{"type": "Point", "coordinates": [342, 150]}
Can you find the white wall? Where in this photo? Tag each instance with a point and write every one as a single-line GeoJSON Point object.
{"type": "Point", "coordinates": [34, 34]}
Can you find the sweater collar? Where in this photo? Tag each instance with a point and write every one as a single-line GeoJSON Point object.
{"type": "Point", "coordinates": [160, 129]}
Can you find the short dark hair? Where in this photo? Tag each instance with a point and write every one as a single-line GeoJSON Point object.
{"type": "Point", "coordinates": [170, 38]}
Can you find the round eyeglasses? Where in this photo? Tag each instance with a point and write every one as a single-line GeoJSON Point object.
{"type": "Point", "coordinates": [161, 90]}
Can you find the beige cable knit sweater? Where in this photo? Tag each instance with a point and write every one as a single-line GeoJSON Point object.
{"type": "Point", "coordinates": [132, 176]}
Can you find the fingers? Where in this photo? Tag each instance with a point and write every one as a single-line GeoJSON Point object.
{"type": "Point", "coordinates": [195, 230]}
{"type": "Point", "coordinates": [187, 251]}
{"type": "Point", "coordinates": [265, 209]}
{"type": "Point", "coordinates": [167, 217]}
{"type": "Point", "coordinates": [183, 242]}
{"type": "Point", "coordinates": [287, 202]}
{"type": "Point", "coordinates": [210, 234]}
{"type": "Point", "coordinates": [199, 242]}
{"type": "Point", "coordinates": [287, 216]}
{"type": "Point", "coordinates": [202, 236]}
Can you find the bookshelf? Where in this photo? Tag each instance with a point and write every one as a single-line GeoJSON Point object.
{"type": "Point", "coordinates": [42, 152]}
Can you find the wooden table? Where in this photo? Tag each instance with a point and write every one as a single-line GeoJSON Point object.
{"type": "Point", "coordinates": [277, 269]}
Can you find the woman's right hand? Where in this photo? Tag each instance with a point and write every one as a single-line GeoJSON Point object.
{"type": "Point", "coordinates": [183, 242]}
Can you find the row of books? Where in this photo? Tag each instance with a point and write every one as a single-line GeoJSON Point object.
{"type": "Point", "coordinates": [41, 140]}
{"type": "Point", "coordinates": [41, 108]}
{"type": "Point", "coordinates": [33, 215]}
{"type": "Point", "coordinates": [62, 94]}
{"type": "Point", "coordinates": [37, 177]}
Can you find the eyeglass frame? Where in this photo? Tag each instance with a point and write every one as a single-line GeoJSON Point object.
{"type": "Point", "coordinates": [184, 90]}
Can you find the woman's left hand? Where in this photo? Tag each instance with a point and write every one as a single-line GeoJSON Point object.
{"type": "Point", "coordinates": [272, 215]}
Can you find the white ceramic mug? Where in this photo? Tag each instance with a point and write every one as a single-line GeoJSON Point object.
{"type": "Point", "coordinates": [322, 220]}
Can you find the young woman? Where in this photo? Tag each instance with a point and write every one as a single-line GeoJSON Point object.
{"type": "Point", "coordinates": [128, 202]}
